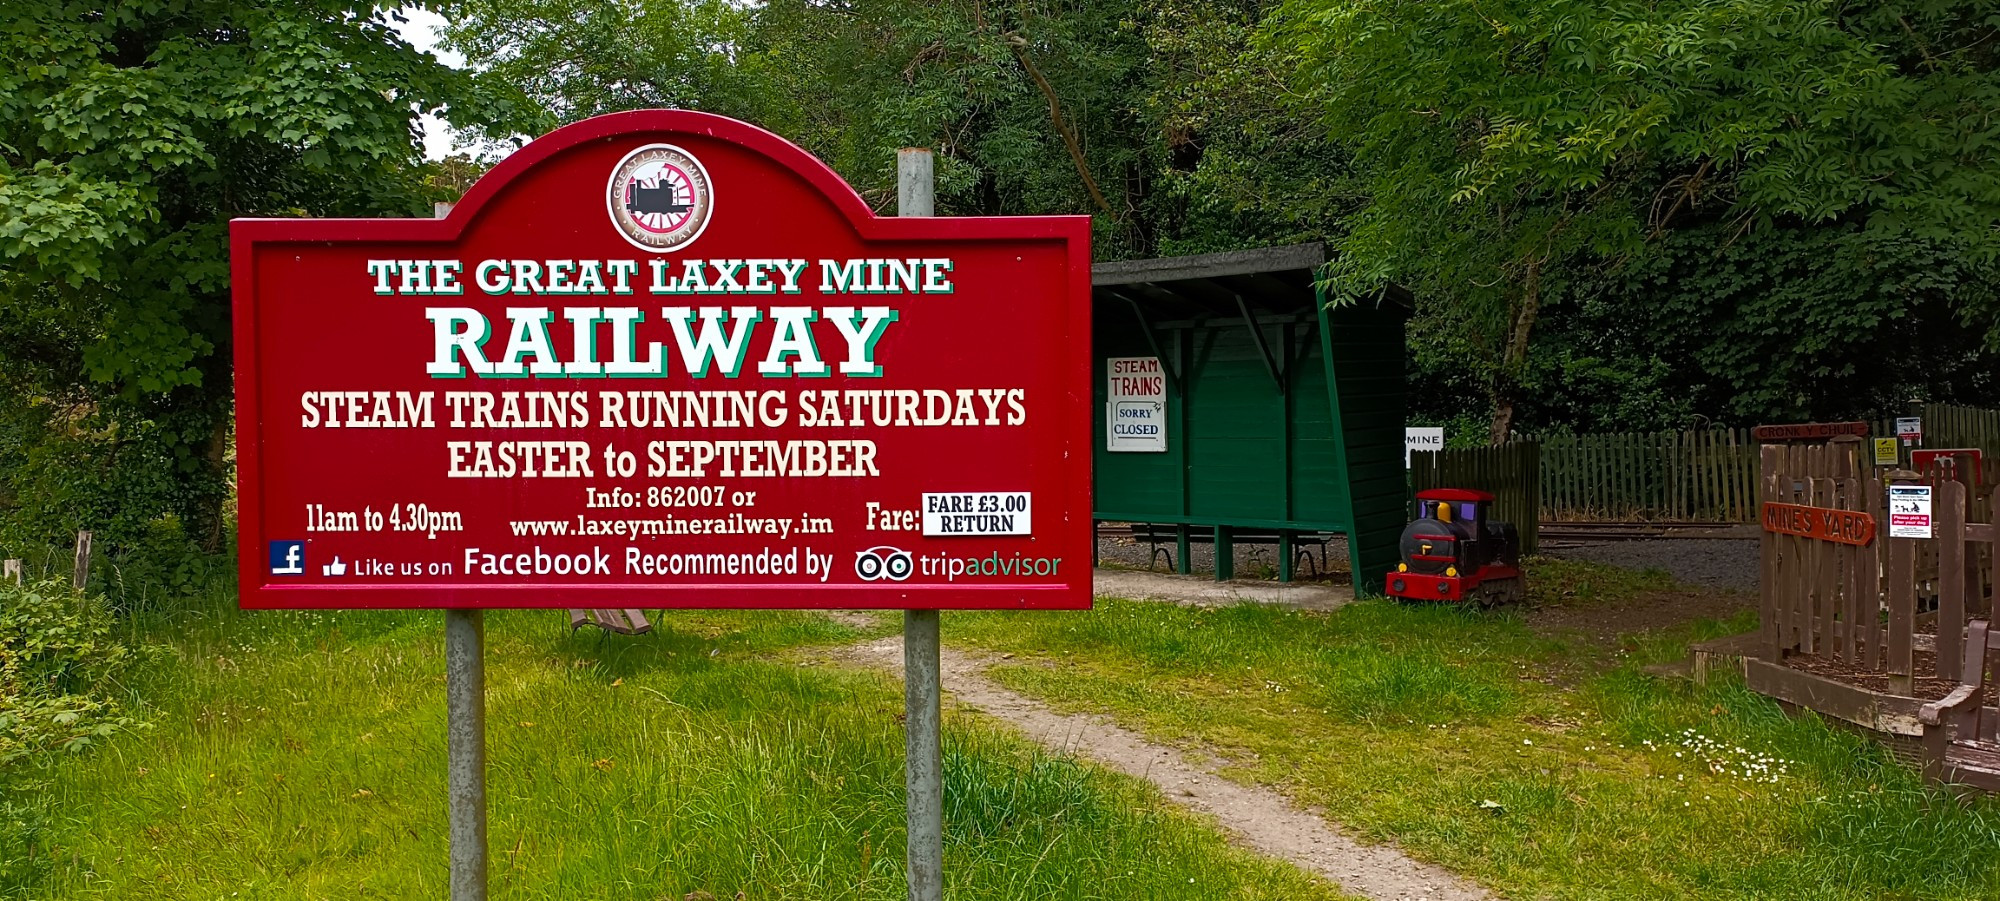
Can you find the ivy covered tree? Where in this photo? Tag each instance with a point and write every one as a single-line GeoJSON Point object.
{"type": "Point", "coordinates": [130, 134]}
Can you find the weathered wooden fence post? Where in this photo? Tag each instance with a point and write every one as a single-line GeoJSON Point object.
{"type": "Point", "coordinates": [80, 575]}
{"type": "Point", "coordinates": [1902, 578]}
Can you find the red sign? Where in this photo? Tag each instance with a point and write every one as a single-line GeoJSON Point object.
{"type": "Point", "coordinates": [664, 359]}
{"type": "Point", "coordinates": [1950, 462]}
{"type": "Point", "coordinates": [1838, 526]}
{"type": "Point", "coordinates": [1809, 431]}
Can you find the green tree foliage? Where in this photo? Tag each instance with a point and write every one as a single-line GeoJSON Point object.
{"type": "Point", "coordinates": [1508, 146]}
{"type": "Point", "coordinates": [1784, 324]}
{"type": "Point", "coordinates": [1155, 116]}
{"type": "Point", "coordinates": [130, 134]}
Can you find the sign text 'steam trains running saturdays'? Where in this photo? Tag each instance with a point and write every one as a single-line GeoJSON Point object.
{"type": "Point", "coordinates": [664, 359]}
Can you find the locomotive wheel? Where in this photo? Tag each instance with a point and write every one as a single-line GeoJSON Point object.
{"type": "Point", "coordinates": [1503, 591]}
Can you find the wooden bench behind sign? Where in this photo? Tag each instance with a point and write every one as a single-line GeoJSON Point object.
{"type": "Point", "coordinates": [1162, 539]}
{"type": "Point", "coordinates": [623, 622]}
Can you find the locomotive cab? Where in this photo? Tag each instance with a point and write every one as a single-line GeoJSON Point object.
{"type": "Point", "coordinates": [1456, 551]}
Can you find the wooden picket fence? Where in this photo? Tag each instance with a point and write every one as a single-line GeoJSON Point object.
{"type": "Point", "coordinates": [1952, 426]}
{"type": "Point", "coordinates": [1694, 476]}
{"type": "Point", "coordinates": [1511, 472]}
{"type": "Point", "coordinates": [1706, 475]}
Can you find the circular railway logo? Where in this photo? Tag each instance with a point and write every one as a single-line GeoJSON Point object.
{"type": "Point", "coordinates": [660, 197]}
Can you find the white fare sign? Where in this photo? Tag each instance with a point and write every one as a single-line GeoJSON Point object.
{"type": "Point", "coordinates": [1135, 408]}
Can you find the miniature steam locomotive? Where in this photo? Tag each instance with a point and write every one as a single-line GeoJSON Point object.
{"type": "Point", "coordinates": [1456, 551]}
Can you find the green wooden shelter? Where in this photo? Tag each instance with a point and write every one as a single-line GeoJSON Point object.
{"type": "Point", "coordinates": [1279, 418]}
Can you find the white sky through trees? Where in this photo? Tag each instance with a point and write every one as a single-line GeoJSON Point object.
{"type": "Point", "coordinates": [421, 30]}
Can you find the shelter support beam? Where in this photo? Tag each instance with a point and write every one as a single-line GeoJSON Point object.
{"type": "Point", "coordinates": [1167, 363]}
{"type": "Point", "coordinates": [1271, 363]}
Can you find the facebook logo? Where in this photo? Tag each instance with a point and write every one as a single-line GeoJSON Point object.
{"type": "Point", "coordinates": [288, 558]}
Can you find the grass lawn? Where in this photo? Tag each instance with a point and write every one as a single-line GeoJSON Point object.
{"type": "Point", "coordinates": [1544, 765]}
{"type": "Point", "coordinates": [298, 755]}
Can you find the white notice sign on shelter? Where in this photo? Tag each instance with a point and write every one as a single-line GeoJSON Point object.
{"type": "Point", "coordinates": [1135, 409]}
{"type": "Point", "coordinates": [1421, 438]}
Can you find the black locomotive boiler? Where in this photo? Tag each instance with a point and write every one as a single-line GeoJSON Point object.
{"type": "Point", "coordinates": [1456, 551]}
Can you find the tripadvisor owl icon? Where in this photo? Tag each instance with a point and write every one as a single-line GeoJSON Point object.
{"type": "Point", "coordinates": [660, 197]}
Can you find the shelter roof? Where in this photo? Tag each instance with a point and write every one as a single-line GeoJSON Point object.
{"type": "Point", "coordinates": [1271, 281]}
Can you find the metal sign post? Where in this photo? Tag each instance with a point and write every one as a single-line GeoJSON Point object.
{"type": "Point", "coordinates": [924, 757]}
{"type": "Point", "coordinates": [465, 705]}
{"type": "Point", "coordinates": [465, 739]}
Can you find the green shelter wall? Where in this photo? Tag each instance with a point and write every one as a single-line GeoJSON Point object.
{"type": "Point", "coordinates": [1242, 452]}
{"type": "Point", "coordinates": [1368, 354]}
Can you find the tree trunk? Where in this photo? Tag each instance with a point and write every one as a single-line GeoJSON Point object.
{"type": "Point", "coordinates": [1503, 417]}
{"type": "Point", "coordinates": [1506, 388]}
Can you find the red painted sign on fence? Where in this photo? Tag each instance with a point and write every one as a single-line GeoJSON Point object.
{"type": "Point", "coordinates": [666, 359]}
{"type": "Point", "coordinates": [1826, 524]}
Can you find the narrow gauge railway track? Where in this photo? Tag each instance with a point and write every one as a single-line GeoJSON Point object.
{"type": "Point", "coordinates": [1574, 534]}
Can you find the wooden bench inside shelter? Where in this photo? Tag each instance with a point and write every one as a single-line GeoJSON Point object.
{"type": "Point", "coordinates": [623, 622]}
{"type": "Point", "coordinates": [1961, 733]}
{"type": "Point", "coordinates": [1293, 547]}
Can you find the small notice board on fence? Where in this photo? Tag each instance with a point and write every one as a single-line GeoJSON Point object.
{"type": "Point", "coordinates": [1910, 511]}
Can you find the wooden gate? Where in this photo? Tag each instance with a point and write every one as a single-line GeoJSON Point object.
{"type": "Point", "coordinates": [1820, 595]}
{"type": "Point", "coordinates": [1865, 606]}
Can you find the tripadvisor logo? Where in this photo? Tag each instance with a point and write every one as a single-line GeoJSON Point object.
{"type": "Point", "coordinates": [991, 566]}
{"type": "Point", "coordinates": [660, 197]}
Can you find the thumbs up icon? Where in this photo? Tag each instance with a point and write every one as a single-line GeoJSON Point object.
{"type": "Point", "coordinates": [336, 568]}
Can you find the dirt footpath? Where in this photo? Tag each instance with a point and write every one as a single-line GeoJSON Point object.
{"type": "Point", "coordinates": [1259, 819]}
{"type": "Point", "coordinates": [1204, 591]}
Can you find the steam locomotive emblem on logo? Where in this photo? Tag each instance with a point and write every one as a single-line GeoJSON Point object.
{"type": "Point", "coordinates": [660, 197]}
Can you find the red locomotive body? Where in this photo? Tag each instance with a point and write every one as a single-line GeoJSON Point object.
{"type": "Point", "coordinates": [1456, 551]}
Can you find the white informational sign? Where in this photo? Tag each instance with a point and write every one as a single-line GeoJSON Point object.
{"type": "Point", "coordinates": [1421, 438]}
{"type": "Point", "coordinates": [1909, 511]}
{"type": "Point", "coordinates": [1135, 409]}
{"type": "Point", "coordinates": [954, 513]}
{"type": "Point", "coordinates": [1910, 429]}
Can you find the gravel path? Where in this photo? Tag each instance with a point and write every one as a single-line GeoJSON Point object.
{"type": "Point", "coordinates": [1261, 819]}
{"type": "Point", "coordinates": [1723, 563]}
